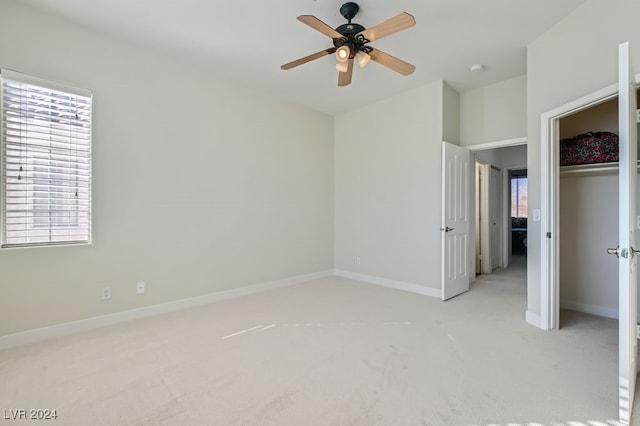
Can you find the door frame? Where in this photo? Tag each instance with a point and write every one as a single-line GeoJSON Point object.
{"type": "Point", "coordinates": [550, 200]}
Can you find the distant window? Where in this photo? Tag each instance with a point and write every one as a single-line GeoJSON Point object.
{"type": "Point", "coordinates": [519, 198]}
{"type": "Point", "coordinates": [46, 162]}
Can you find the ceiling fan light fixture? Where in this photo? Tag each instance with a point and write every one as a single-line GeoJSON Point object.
{"type": "Point", "coordinates": [362, 58]}
{"type": "Point", "coordinates": [343, 53]}
{"type": "Point", "coordinates": [342, 66]}
{"type": "Point", "coordinates": [350, 43]}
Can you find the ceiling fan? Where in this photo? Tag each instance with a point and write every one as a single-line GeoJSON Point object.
{"type": "Point", "coordinates": [350, 42]}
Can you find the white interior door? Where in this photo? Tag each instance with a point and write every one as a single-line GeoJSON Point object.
{"type": "Point", "coordinates": [494, 218]}
{"type": "Point", "coordinates": [484, 207]}
{"type": "Point", "coordinates": [628, 342]}
{"type": "Point", "coordinates": [456, 216]}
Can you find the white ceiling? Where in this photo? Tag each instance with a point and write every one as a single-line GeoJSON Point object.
{"type": "Point", "coordinates": [247, 41]}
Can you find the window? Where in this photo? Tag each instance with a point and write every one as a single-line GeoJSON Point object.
{"type": "Point", "coordinates": [519, 205]}
{"type": "Point", "coordinates": [46, 162]}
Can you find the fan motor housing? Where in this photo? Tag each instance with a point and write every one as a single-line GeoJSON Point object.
{"type": "Point", "coordinates": [350, 29]}
{"type": "Point", "coordinates": [351, 38]}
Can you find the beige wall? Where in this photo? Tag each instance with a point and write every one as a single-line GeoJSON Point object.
{"type": "Point", "coordinates": [599, 118]}
{"type": "Point", "coordinates": [199, 185]}
{"type": "Point", "coordinates": [388, 185]}
{"type": "Point", "coordinates": [495, 112]}
{"type": "Point", "coordinates": [450, 114]}
{"type": "Point", "coordinates": [505, 157]}
{"type": "Point", "coordinates": [589, 224]}
{"type": "Point", "coordinates": [576, 57]}
{"type": "Point", "coordinates": [513, 156]}
{"type": "Point", "coordinates": [489, 156]}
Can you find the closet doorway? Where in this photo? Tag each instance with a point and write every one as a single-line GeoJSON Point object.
{"type": "Point", "coordinates": [582, 213]}
{"type": "Point", "coordinates": [588, 211]}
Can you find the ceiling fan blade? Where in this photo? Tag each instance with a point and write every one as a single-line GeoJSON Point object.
{"type": "Point", "coordinates": [318, 25]}
{"type": "Point", "coordinates": [344, 78]}
{"type": "Point", "coordinates": [392, 62]}
{"type": "Point", "coordinates": [309, 58]}
{"type": "Point", "coordinates": [399, 22]}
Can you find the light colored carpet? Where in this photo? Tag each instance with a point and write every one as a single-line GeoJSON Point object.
{"type": "Point", "coordinates": [329, 352]}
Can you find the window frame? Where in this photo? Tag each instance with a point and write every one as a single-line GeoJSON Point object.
{"type": "Point", "coordinates": [80, 215]}
{"type": "Point", "coordinates": [517, 179]}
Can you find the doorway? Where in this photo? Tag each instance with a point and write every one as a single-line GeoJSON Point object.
{"type": "Point", "coordinates": [496, 167]}
{"type": "Point", "coordinates": [588, 212]}
{"type": "Point", "coordinates": [559, 263]}
{"type": "Point", "coordinates": [519, 211]}
{"type": "Point", "coordinates": [488, 218]}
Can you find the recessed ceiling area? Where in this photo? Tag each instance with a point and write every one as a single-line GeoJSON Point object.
{"type": "Point", "coordinates": [246, 42]}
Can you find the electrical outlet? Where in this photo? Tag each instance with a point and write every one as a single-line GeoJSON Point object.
{"type": "Point", "coordinates": [357, 260]}
{"type": "Point", "coordinates": [106, 293]}
{"type": "Point", "coordinates": [140, 287]}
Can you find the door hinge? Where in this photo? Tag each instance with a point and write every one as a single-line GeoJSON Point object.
{"type": "Point", "coordinates": [638, 331]}
{"type": "Point", "coordinates": [548, 234]}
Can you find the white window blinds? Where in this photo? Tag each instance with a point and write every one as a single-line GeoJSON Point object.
{"type": "Point", "coordinates": [46, 162]}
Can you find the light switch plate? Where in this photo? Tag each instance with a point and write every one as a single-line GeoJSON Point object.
{"type": "Point", "coordinates": [536, 215]}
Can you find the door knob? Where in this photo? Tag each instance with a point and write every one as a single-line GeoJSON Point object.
{"type": "Point", "coordinates": [446, 229]}
{"type": "Point", "coordinates": [624, 252]}
{"type": "Point", "coordinates": [615, 251]}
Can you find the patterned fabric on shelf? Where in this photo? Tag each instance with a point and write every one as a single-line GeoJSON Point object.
{"type": "Point", "coordinates": [589, 148]}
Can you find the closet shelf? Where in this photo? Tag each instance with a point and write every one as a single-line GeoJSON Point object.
{"type": "Point", "coordinates": [592, 169]}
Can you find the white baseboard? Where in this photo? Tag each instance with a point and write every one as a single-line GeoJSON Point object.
{"type": "Point", "coordinates": [533, 319]}
{"type": "Point", "coordinates": [59, 330]}
{"type": "Point", "coordinates": [600, 311]}
{"type": "Point", "coordinates": [385, 282]}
